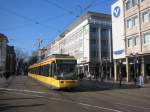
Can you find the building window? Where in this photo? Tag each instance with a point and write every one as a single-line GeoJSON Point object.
{"type": "Point", "coordinates": [93, 41]}
{"type": "Point", "coordinates": [129, 23]}
{"type": "Point", "coordinates": [135, 21]}
{"type": "Point", "coordinates": [130, 3]}
{"type": "Point", "coordinates": [136, 41]}
{"type": "Point", "coordinates": [93, 29]}
{"type": "Point", "coordinates": [93, 54]}
{"type": "Point", "coordinates": [146, 37]}
{"type": "Point", "coordinates": [145, 16]}
{"type": "Point", "coordinates": [130, 42]}
{"type": "Point", "coordinates": [134, 2]}
{"type": "Point", "coordinates": [104, 33]}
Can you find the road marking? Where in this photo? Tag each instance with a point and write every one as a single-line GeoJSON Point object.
{"type": "Point", "coordinates": [104, 108]}
{"type": "Point", "coordinates": [28, 94]}
{"type": "Point", "coordinates": [135, 93]}
{"type": "Point", "coordinates": [29, 91]}
{"type": "Point", "coordinates": [63, 100]}
{"type": "Point", "coordinates": [133, 106]}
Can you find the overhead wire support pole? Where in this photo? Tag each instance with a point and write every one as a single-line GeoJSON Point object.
{"type": "Point", "coordinates": [39, 48]}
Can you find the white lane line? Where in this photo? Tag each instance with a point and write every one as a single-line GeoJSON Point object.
{"type": "Point", "coordinates": [133, 106]}
{"type": "Point", "coordinates": [79, 103]}
{"type": "Point", "coordinates": [104, 108]}
{"type": "Point", "coordinates": [28, 94]}
{"type": "Point", "coordinates": [29, 91]}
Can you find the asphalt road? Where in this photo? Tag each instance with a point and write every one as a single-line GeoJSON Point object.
{"type": "Point", "coordinates": [23, 94]}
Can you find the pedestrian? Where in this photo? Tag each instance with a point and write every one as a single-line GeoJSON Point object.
{"type": "Point", "coordinates": [6, 75]}
{"type": "Point", "coordinates": [141, 80]}
{"type": "Point", "coordinates": [121, 77]}
{"type": "Point", "coordinates": [89, 75]}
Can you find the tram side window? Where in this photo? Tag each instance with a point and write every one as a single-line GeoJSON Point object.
{"type": "Point", "coordinates": [37, 70]}
{"type": "Point", "coordinates": [46, 70]}
{"type": "Point", "coordinates": [50, 70]}
{"type": "Point", "coordinates": [53, 69]}
{"type": "Point", "coordinates": [33, 70]}
{"type": "Point", "coordinates": [41, 70]}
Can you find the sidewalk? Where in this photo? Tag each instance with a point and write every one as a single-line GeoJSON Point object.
{"type": "Point", "coordinates": [4, 82]}
{"type": "Point", "coordinates": [117, 82]}
{"type": "Point", "coordinates": [95, 85]}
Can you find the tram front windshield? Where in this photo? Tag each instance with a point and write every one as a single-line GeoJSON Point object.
{"type": "Point", "coordinates": [66, 70]}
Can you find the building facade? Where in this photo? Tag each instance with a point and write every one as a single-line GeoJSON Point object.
{"type": "Point", "coordinates": [7, 57]}
{"type": "Point", "coordinates": [88, 39]}
{"type": "Point", "coordinates": [131, 38]}
{"type": "Point", "coordinates": [10, 60]}
{"type": "Point", "coordinates": [3, 53]}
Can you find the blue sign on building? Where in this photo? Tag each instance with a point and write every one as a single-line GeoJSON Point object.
{"type": "Point", "coordinates": [118, 52]}
{"type": "Point", "coordinates": [116, 11]}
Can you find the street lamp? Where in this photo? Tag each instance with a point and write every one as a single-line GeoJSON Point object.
{"type": "Point", "coordinates": [105, 73]}
{"type": "Point", "coordinates": [136, 66]}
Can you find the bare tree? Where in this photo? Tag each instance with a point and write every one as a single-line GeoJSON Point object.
{"type": "Point", "coordinates": [21, 58]}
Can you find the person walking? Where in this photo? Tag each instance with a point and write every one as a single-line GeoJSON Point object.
{"type": "Point", "coordinates": [120, 78]}
{"type": "Point", "coordinates": [141, 80]}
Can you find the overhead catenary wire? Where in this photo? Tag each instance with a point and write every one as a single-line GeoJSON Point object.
{"type": "Point", "coordinates": [83, 10]}
{"type": "Point", "coordinates": [89, 5]}
{"type": "Point", "coordinates": [60, 7]}
{"type": "Point", "coordinates": [34, 22]}
{"type": "Point", "coordinates": [43, 22]}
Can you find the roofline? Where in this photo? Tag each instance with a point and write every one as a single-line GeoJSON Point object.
{"type": "Point", "coordinates": [80, 20]}
{"type": "Point", "coordinates": [4, 37]}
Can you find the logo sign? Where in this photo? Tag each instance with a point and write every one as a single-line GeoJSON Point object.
{"type": "Point", "coordinates": [116, 11]}
{"type": "Point", "coordinates": [118, 52]}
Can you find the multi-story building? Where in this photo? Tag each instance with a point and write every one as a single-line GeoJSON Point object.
{"type": "Point", "coordinates": [131, 38]}
{"type": "Point", "coordinates": [88, 39]}
{"type": "Point", "coordinates": [7, 57]}
{"type": "Point", "coordinates": [3, 51]}
{"type": "Point", "coordinates": [10, 60]}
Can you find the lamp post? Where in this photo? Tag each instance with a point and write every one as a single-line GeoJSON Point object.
{"type": "Point", "coordinates": [105, 61]}
{"type": "Point", "coordinates": [135, 66]}
{"type": "Point", "coordinates": [105, 64]}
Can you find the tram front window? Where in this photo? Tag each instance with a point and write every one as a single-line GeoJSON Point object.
{"type": "Point", "coordinates": [66, 70]}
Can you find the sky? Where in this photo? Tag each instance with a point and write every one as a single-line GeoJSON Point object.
{"type": "Point", "coordinates": [25, 21]}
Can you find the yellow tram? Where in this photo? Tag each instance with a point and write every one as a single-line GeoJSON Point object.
{"type": "Point", "coordinates": [57, 71]}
